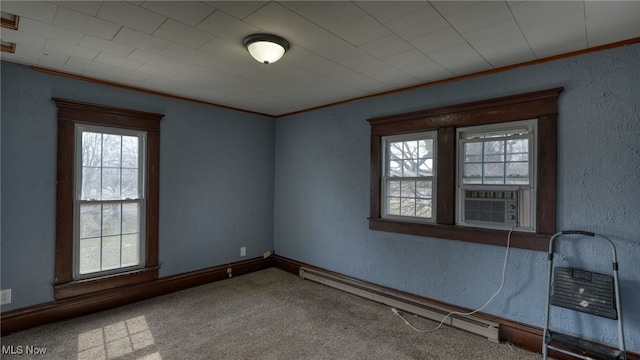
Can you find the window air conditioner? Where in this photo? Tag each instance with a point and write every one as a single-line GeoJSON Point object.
{"type": "Point", "coordinates": [491, 206]}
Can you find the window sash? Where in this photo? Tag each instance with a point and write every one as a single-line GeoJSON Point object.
{"type": "Point", "coordinates": [103, 250]}
{"type": "Point", "coordinates": [497, 168]}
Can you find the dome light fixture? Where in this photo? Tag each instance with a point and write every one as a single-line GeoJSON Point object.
{"type": "Point", "coordinates": [266, 48]}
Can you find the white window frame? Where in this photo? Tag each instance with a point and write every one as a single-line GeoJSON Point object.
{"type": "Point", "coordinates": [386, 178]}
{"type": "Point", "coordinates": [526, 193]}
{"type": "Point", "coordinates": [77, 198]}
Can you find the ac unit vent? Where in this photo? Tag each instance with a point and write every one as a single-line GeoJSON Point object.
{"type": "Point", "coordinates": [498, 207]}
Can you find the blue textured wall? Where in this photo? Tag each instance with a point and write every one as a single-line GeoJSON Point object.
{"type": "Point", "coordinates": [216, 180]}
{"type": "Point", "coordinates": [322, 194]}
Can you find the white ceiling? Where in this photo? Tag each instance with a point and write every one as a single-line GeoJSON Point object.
{"type": "Point", "coordinates": [340, 50]}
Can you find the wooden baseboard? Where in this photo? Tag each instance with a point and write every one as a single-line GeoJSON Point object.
{"type": "Point", "coordinates": [24, 318]}
{"type": "Point", "coordinates": [519, 334]}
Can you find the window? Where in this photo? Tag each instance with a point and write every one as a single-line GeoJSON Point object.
{"type": "Point", "coordinates": [493, 166]}
{"type": "Point", "coordinates": [409, 176]}
{"type": "Point", "coordinates": [107, 198]}
{"type": "Point", "coordinates": [496, 176]}
{"type": "Point", "coordinates": [110, 201]}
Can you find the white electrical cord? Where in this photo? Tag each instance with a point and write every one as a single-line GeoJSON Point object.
{"type": "Point", "coordinates": [504, 273]}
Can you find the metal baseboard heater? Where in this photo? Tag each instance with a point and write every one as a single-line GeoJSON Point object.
{"type": "Point", "coordinates": [402, 302]}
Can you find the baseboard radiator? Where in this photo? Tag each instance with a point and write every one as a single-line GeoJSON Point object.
{"type": "Point", "coordinates": [405, 303]}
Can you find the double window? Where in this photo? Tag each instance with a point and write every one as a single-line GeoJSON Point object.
{"type": "Point", "coordinates": [107, 197]}
{"type": "Point", "coordinates": [468, 172]}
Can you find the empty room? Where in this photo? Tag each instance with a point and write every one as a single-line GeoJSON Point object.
{"type": "Point", "coordinates": [320, 180]}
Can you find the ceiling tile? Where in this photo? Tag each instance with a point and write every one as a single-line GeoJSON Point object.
{"type": "Point", "coordinates": [563, 33]}
{"type": "Point", "coordinates": [612, 21]}
{"type": "Point", "coordinates": [140, 40]}
{"type": "Point", "coordinates": [386, 46]}
{"type": "Point", "coordinates": [386, 11]}
{"type": "Point", "coordinates": [120, 75]}
{"type": "Point", "coordinates": [226, 26]}
{"type": "Point", "coordinates": [460, 59]}
{"type": "Point", "coordinates": [84, 23]}
{"type": "Point", "coordinates": [103, 45]}
{"type": "Point", "coordinates": [187, 12]}
{"type": "Point", "coordinates": [224, 48]}
{"type": "Point", "coordinates": [85, 7]}
{"type": "Point", "coordinates": [277, 18]}
{"type": "Point", "coordinates": [479, 15]}
{"type": "Point", "coordinates": [177, 32]}
{"type": "Point", "coordinates": [493, 34]}
{"type": "Point", "coordinates": [70, 49]}
{"type": "Point", "coordinates": [448, 7]}
{"type": "Point", "coordinates": [508, 52]}
{"type": "Point", "coordinates": [350, 57]}
{"type": "Point", "coordinates": [331, 13]}
{"type": "Point", "coordinates": [428, 71]}
{"type": "Point", "coordinates": [130, 15]}
{"type": "Point", "coordinates": [530, 12]}
{"type": "Point", "coordinates": [118, 61]}
{"type": "Point", "coordinates": [38, 28]}
{"type": "Point", "coordinates": [237, 9]}
{"type": "Point", "coordinates": [88, 65]}
{"type": "Point", "coordinates": [362, 30]}
{"type": "Point", "coordinates": [35, 10]}
{"type": "Point", "coordinates": [428, 18]}
{"type": "Point", "coordinates": [407, 59]}
{"type": "Point", "coordinates": [31, 52]}
{"type": "Point", "coordinates": [438, 40]}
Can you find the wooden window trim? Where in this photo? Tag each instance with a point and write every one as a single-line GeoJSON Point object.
{"type": "Point", "coordinates": [541, 105]}
{"type": "Point", "coordinates": [69, 113]}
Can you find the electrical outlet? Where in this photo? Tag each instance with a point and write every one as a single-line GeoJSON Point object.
{"type": "Point", "coordinates": [6, 297]}
{"type": "Point", "coordinates": [243, 251]}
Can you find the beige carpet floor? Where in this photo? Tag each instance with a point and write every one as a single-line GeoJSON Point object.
{"type": "Point", "coordinates": [269, 314]}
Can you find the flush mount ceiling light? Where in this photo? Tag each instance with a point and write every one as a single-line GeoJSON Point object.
{"type": "Point", "coordinates": [266, 48]}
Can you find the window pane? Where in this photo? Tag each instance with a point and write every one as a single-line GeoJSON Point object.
{"type": "Point", "coordinates": [130, 250]}
{"type": "Point", "coordinates": [424, 189]}
{"type": "Point", "coordinates": [408, 207]}
{"type": "Point", "coordinates": [111, 150]}
{"type": "Point", "coordinates": [90, 183]}
{"type": "Point", "coordinates": [494, 151]}
{"type": "Point", "coordinates": [393, 188]}
{"type": "Point", "coordinates": [473, 171]}
{"type": "Point", "coordinates": [130, 218]}
{"type": "Point", "coordinates": [110, 252]}
{"type": "Point", "coordinates": [393, 206]}
{"type": "Point", "coordinates": [395, 150]}
{"type": "Point", "coordinates": [110, 184]}
{"type": "Point", "coordinates": [423, 208]}
{"type": "Point", "coordinates": [410, 150]}
{"type": "Point", "coordinates": [90, 220]}
{"type": "Point", "coordinates": [410, 168]}
{"type": "Point", "coordinates": [91, 149]}
{"type": "Point", "coordinates": [473, 152]}
{"type": "Point", "coordinates": [425, 168]}
{"type": "Point", "coordinates": [89, 255]}
{"type": "Point", "coordinates": [425, 148]}
{"type": "Point", "coordinates": [395, 168]}
{"type": "Point", "coordinates": [129, 184]}
{"type": "Point", "coordinates": [494, 173]}
{"type": "Point", "coordinates": [408, 189]}
{"type": "Point", "coordinates": [111, 219]}
{"type": "Point", "coordinates": [130, 152]}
